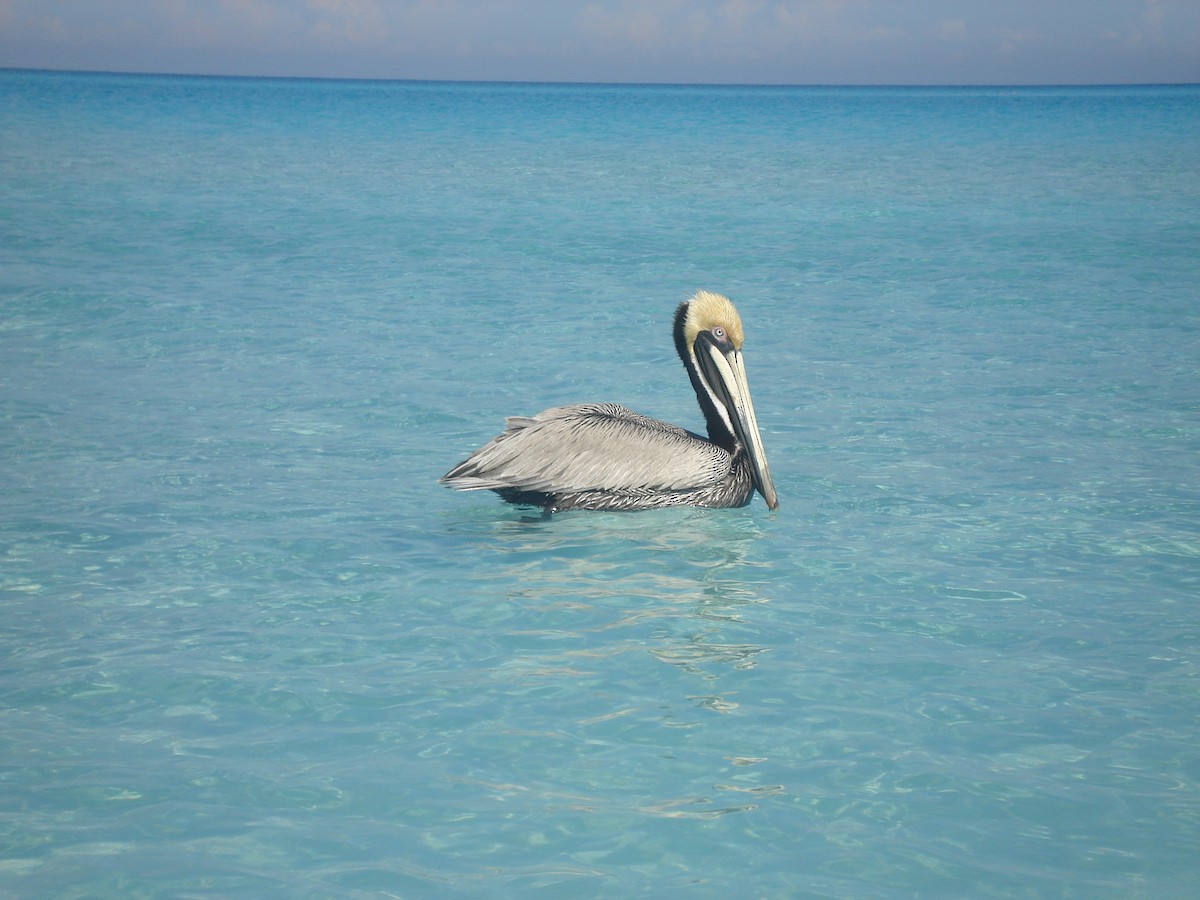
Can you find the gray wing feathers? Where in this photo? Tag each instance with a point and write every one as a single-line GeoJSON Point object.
{"type": "Point", "coordinates": [593, 446]}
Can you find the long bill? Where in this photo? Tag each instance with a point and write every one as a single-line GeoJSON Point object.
{"type": "Point", "coordinates": [726, 376]}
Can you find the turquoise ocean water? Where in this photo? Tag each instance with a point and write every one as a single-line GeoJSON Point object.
{"type": "Point", "coordinates": [249, 647]}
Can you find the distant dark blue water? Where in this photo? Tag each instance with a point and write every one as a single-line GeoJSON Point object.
{"type": "Point", "coordinates": [249, 647]}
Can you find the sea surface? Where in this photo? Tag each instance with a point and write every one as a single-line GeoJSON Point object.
{"type": "Point", "coordinates": [249, 647]}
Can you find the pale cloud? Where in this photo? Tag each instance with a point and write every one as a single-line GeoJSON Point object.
{"type": "Point", "coordinates": [952, 29]}
{"type": "Point", "coordinates": [656, 40]}
{"type": "Point", "coordinates": [695, 26]}
{"type": "Point", "coordinates": [628, 23]}
{"type": "Point", "coordinates": [645, 28]}
{"type": "Point", "coordinates": [349, 21]}
{"type": "Point", "coordinates": [652, 23]}
{"type": "Point", "coordinates": [243, 24]}
{"type": "Point", "coordinates": [707, 30]}
{"type": "Point", "coordinates": [1022, 35]}
{"type": "Point", "coordinates": [734, 14]}
{"type": "Point", "coordinates": [815, 20]}
{"type": "Point", "coordinates": [1142, 28]}
{"type": "Point", "coordinates": [1154, 16]}
{"type": "Point", "coordinates": [1013, 38]}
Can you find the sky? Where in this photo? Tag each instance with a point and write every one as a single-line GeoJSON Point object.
{"type": "Point", "coordinates": [672, 41]}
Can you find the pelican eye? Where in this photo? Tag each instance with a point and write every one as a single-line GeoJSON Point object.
{"type": "Point", "coordinates": [719, 335]}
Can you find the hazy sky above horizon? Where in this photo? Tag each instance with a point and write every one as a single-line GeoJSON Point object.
{"type": "Point", "coordinates": [707, 41]}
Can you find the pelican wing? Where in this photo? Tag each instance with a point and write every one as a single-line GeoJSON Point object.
{"type": "Point", "coordinates": [592, 446]}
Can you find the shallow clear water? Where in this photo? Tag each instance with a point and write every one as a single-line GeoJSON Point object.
{"type": "Point", "coordinates": [249, 647]}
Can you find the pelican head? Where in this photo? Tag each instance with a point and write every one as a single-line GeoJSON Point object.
{"type": "Point", "coordinates": [709, 336]}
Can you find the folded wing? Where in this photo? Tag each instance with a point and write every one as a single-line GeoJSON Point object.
{"type": "Point", "coordinates": [588, 447]}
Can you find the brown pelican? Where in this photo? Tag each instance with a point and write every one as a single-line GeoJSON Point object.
{"type": "Point", "coordinates": [604, 456]}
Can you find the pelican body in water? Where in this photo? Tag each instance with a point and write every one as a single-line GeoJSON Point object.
{"type": "Point", "coordinates": [604, 456]}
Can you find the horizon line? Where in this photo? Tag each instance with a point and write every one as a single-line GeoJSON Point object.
{"type": "Point", "coordinates": [135, 73]}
